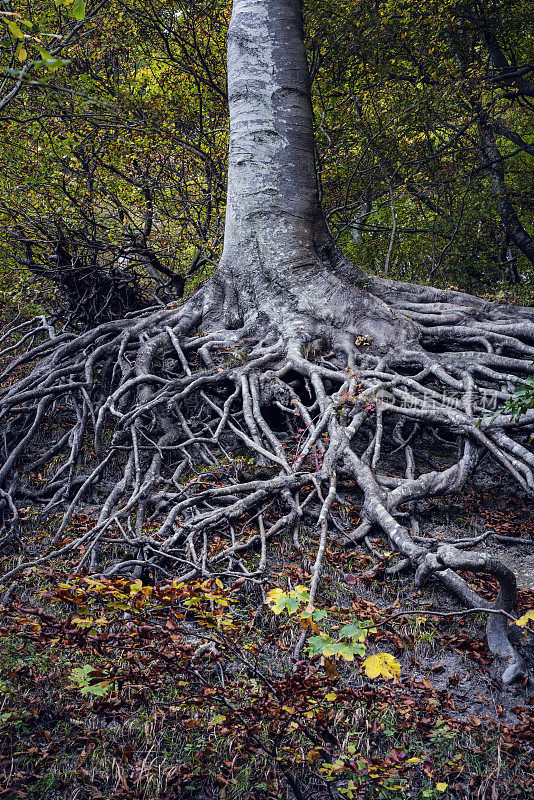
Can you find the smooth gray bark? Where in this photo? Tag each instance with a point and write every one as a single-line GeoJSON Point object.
{"type": "Point", "coordinates": [279, 262]}
{"type": "Point", "coordinates": [274, 222]}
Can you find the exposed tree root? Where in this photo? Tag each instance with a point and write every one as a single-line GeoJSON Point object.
{"type": "Point", "coordinates": [202, 443]}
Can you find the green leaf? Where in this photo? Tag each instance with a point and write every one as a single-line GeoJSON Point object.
{"type": "Point", "coordinates": [279, 606]}
{"type": "Point", "coordinates": [292, 605]}
{"type": "Point", "coordinates": [97, 689]}
{"type": "Point", "coordinates": [14, 29]}
{"type": "Point", "coordinates": [81, 676]}
{"type": "Point", "coordinates": [45, 55]}
{"type": "Point", "coordinates": [348, 651]}
{"type": "Point", "coordinates": [78, 9]}
{"type": "Point", "coordinates": [353, 631]}
{"type": "Point", "coordinates": [315, 644]}
{"type": "Point", "coordinates": [330, 649]}
{"type": "Point", "coordinates": [52, 63]}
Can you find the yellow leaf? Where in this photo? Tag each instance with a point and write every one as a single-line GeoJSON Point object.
{"type": "Point", "coordinates": [331, 696]}
{"type": "Point", "coordinates": [381, 665]}
{"type": "Point", "coordinates": [522, 621]}
{"type": "Point", "coordinates": [83, 622]}
{"type": "Point", "coordinates": [441, 786]}
{"type": "Point", "coordinates": [274, 594]}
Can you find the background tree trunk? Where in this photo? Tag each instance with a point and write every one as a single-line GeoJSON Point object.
{"type": "Point", "coordinates": [493, 161]}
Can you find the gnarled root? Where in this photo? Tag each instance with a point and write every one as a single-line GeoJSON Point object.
{"type": "Point", "coordinates": [200, 443]}
{"type": "Point", "coordinates": [446, 561]}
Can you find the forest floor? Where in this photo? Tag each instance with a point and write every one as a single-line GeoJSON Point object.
{"type": "Point", "coordinates": [162, 691]}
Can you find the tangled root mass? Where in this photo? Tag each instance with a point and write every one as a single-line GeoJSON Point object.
{"type": "Point", "coordinates": [201, 443]}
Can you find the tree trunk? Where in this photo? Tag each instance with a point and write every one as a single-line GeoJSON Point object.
{"type": "Point", "coordinates": [274, 224]}
{"type": "Point", "coordinates": [279, 263]}
{"type": "Point", "coordinates": [493, 161]}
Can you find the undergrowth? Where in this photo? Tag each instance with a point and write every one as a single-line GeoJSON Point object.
{"type": "Point", "coordinates": [129, 689]}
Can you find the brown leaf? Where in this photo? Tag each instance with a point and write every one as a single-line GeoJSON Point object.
{"type": "Point", "coordinates": [127, 752]}
{"type": "Point", "coordinates": [330, 668]}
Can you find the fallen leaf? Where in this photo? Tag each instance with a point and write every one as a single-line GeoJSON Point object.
{"type": "Point", "coordinates": [382, 665]}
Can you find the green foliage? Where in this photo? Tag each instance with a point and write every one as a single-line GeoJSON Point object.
{"type": "Point", "coordinates": [33, 34]}
{"type": "Point", "coordinates": [81, 653]}
{"type": "Point", "coordinates": [89, 681]}
{"type": "Point", "coordinates": [124, 176]}
{"type": "Point", "coordinates": [138, 104]}
{"type": "Point", "coordinates": [348, 643]}
{"type": "Point", "coordinates": [399, 91]}
{"type": "Point", "coordinates": [291, 602]}
{"type": "Point", "coordinates": [325, 646]}
{"type": "Point", "coordinates": [521, 401]}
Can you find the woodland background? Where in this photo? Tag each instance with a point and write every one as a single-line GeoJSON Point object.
{"type": "Point", "coordinates": [116, 160]}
